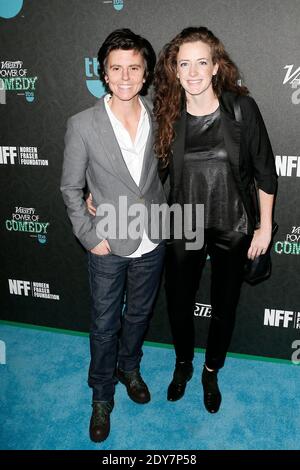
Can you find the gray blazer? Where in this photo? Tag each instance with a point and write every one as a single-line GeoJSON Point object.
{"type": "Point", "coordinates": [93, 157]}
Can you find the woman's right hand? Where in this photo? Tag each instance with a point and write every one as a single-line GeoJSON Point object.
{"type": "Point", "coordinates": [101, 249]}
{"type": "Point", "coordinates": [89, 204]}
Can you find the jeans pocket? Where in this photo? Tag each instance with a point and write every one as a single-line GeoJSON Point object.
{"type": "Point", "coordinates": [100, 256]}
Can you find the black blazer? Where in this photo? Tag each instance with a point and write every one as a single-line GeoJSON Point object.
{"type": "Point", "coordinates": [249, 150]}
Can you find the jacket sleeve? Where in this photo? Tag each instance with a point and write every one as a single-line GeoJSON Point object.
{"type": "Point", "coordinates": [261, 152]}
{"type": "Point", "coordinates": [73, 182]}
{"type": "Point", "coordinates": [164, 175]}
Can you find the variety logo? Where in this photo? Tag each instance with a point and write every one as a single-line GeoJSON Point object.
{"type": "Point", "coordinates": [25, 219]}
{"type": "Point", "coordinates": [117, 4]}
{"type": "Point", "coordinates": [292, 78]}
{"type": "Point", "coordinates": [2, 352]}
{"type": "Point", "coordinates": [31, 288]}
{"type": "Point", "coordinates": [288, 165]}
{"type": "Point", "coordinates": [21, 156]}
{"type": "Point", "coordinates": [281, 318]}
{"type": "Point", "coordinates": [94, 85]}
{"type": "Point", "coordinates": [202, 310]}
{"type": "Point", "coordinates": [291, 245]}
{"type": "Point", "coordinates": [10, 8]}
{"type": "Point", "coordinates": [13, 77]}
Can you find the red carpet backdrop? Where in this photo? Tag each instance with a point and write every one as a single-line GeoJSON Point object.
{"type": "Point", "coordinates": [48, 72]}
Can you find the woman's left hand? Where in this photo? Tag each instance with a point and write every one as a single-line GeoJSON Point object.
{"type": "Point", "coordinates": [260, 242]}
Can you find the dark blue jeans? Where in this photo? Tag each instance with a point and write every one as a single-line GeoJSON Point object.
{"type": "Point", "coordinates": [117, 334]}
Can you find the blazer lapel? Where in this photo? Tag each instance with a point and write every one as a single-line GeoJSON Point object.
{"type": "Point", "coordinates": [109, 143]}
{"type": "Point", "coordinates": [148, 154]}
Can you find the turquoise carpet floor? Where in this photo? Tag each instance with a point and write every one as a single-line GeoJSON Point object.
{"type": "Point", "coordinates": [45, 401]}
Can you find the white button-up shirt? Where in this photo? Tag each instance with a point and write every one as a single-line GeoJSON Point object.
{"type": "Point", "coordinates": [133, 154]}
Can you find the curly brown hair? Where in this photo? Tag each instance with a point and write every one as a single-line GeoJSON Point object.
{"type": "Point", "coordinates": [169, 92]}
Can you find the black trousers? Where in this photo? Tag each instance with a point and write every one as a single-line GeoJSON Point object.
{"type": "Point", "coordinates": [228, 252]}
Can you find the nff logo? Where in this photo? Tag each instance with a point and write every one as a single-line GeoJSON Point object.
{"type": "Point", "coordinates": [281, 318]}
{"type": "Point", "coordinates": [288, 165]}
{"type": "Point", "coordinates": [8, 155]}
{"type": "Point", "coordinates": [21, 155]}
{"type": "Point", "coordinates": [40, 290]}
{"type": "Point", "coordinates": [18, 287]}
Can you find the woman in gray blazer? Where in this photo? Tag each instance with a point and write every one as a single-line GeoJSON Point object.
{"type": "Point", "coordinates": [109, 148]}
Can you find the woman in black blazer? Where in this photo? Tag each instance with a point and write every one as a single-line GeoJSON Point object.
{"type": "Point", "coordinates": [213, 145]}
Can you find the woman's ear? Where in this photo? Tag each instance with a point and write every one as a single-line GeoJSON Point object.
{"type": "Point", "coordinates": [216, 68]}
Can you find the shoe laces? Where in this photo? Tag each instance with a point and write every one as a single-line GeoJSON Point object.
{"type": "Point", "coordinates": [101, 411]}
{"type": "Point", "coordinates": [135, 379]}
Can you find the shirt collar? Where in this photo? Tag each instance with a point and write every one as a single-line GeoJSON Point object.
{"type": "Point", "coordinates": [114, 118]}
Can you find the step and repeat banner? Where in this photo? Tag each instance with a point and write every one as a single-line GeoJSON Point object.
{"type": "Point", "coordinates": [48, 72]}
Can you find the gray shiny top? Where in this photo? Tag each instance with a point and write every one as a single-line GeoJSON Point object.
{"type": "Point", "coordinates": [207, 177]}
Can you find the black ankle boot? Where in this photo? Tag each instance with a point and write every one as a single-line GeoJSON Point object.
{"type": "Point", "coordinates": [182, 374]}
{"type": "Point", "coordinates": [136, 388]}
{"type": "Point", "coordinates": [100, 420]}
{"type": "Point", "coordinates": [212, 394]}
